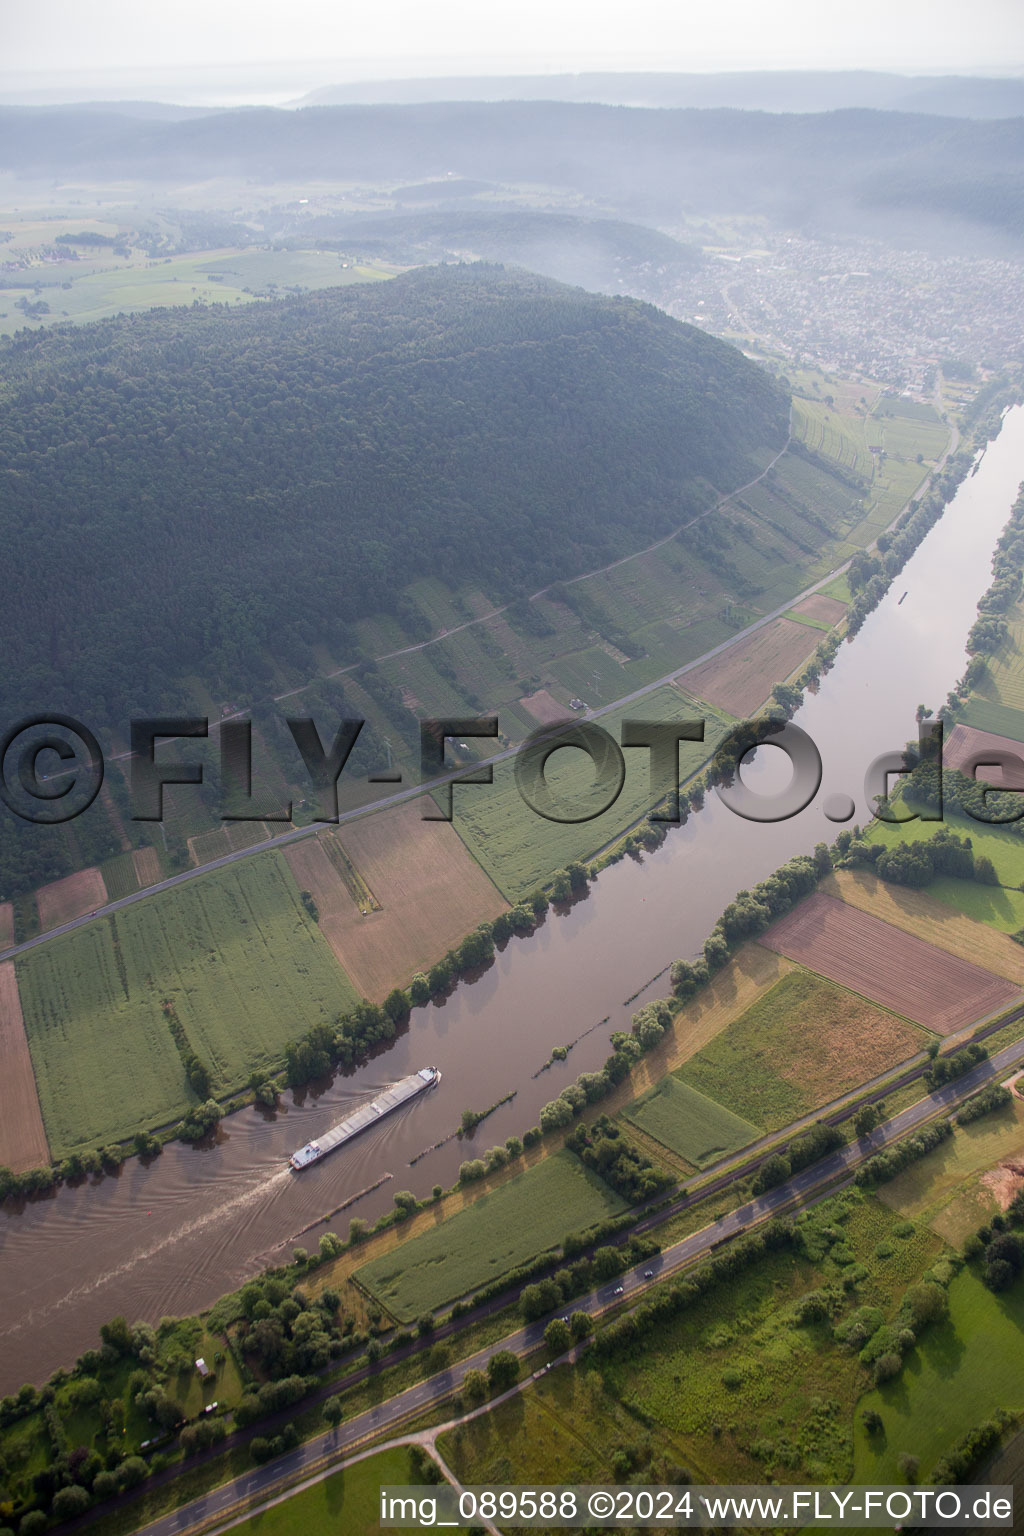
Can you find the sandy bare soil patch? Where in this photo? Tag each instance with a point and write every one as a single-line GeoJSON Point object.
{"type": "Point", "coordinates": [828, 610]}
{"type": "Point", "coordinates": [887, 965]}
{"type": "Point", "coordinates": [23, 1141]}
{"type": "Point", "coordinates": [741, 678]}
{"type": "Point", "coordinates": [431, 891]}
{"type": "Point", "coordinates": [69, 898]}
{"type": "Point", "coordinates": [147, 866]}
{"type": "Point", "coordinates": [998, 759]}
{"type": "Point", "coordinates": [934, 921]}
{"type": "Point", "coordinates": [1005, 1181]}
{"type": "Point", "coordinates": [6, 924]}
{"type": "Point", "coordinates": [544, 708]}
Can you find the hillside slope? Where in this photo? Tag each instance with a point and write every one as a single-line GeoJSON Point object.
{"type": "Point", "coordinates": [184, 492]}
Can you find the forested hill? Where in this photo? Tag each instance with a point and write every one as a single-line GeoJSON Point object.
{"type": "Point", "coordinates": [183, 491]}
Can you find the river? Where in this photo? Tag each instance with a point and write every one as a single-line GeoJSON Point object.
{"type": "Point", "coordinates": [171, 1237]}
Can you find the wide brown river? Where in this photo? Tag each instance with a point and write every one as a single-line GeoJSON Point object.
{"type": "Point", "coordinates": [172, 1237]}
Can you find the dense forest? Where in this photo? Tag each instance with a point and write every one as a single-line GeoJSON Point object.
{"type": "Point", "coordinates": [186, 491]}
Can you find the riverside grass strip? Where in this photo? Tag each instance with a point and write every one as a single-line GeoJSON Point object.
{"type": "Point", "coordinates": [498, 1231]}
{"type": "Point", "coordinates": [690, 1124]}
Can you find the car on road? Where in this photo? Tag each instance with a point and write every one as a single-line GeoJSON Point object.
{"type": "Point", "coordinates": [617, 1291]}
{"type": "Point", "coordinates": [648, 1274]}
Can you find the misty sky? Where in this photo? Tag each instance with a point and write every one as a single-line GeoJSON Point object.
{"type": "Point", "coordinates": [415, 37]}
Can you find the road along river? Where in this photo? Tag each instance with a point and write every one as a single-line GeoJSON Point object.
{"type": "Point", "coordinates": [172, 1237]}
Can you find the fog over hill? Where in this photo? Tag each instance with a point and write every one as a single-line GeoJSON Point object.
{"type": "Point", "coordinates": [856, 169]}
{"type": "Point", "coordinates": [794, 90]}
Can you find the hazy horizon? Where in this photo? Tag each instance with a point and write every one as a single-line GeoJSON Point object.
{"type": "Point", "coordinates": [221, 53]}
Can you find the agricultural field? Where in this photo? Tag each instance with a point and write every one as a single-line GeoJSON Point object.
{"type": "Point", "coordinates": [839, 590]}
{"type": "Point", "coordinates": [520, 850]}
{"type": "Point", "coordinates": [6, 924]}
{"type": "Point", "coordinates": [147, 866]}
{"type": "Point", "coordinates": [103, 285]}
{"type": "Point", "coordinates": [908, 428]}
{"type": "Point", "coordinates": [965, 1180]}
{"type": "Point", "coordinates": [544, 709]}
{"type": "Point", "coordinates": [501, 1229]}
{"type": "Point", "coordinates": [120, 876]}
{"type": "Point", "coordinates": [801, 1045]}
{"type": "Point", "coordinates": [998, 759]}
{"type": "Point", "coordinates": [23, 1141]}
{"type": "Point", "coordinates": [233, 958]}
{"type": "Point", "coordinates": [1000, 719]}
{"type": "Point", "coordinates": [689, 1124]}
{"type": "Point", "coordinates": [741, 678]}
{"type": "Point", "coordinates": [230, 838]}
{"type": "Point", "coordinates": [735, 1389]}
{"type": "Point", "coordinates": [1002, 683]}
{"type": "Point", "coordinates": [748, 976]}
{"type": "Point", "coordinates": [963, 1369]}
{"type": "Point", "coordinates": [892, 968]}
{"type": "Point", "coordinates": [69, 898]}
{"type": "Point", "coordinates": [843, 436]}
{"type": "Point", "coordinates": [921, 914]}
{"type": "Point", "coordinates": [823, 610]}
{"type": "Point", "coordinates": [348, 1501]}
{"type": "Point", "coordinates": [429, 893]}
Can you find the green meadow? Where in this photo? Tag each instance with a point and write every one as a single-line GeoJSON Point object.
{"type": "Point", "coordinates": [958, 1374]}
{"type": "Point", "coordinates": [690, 1124]}
{"type": "Point", "coordinates": [347, 1501]}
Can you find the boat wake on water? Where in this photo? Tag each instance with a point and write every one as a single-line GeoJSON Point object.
{"type": "Point", "coordinates": [258, 1192]}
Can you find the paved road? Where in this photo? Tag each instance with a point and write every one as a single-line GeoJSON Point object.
{"type": "Point", "coordinates": [324, 1451]}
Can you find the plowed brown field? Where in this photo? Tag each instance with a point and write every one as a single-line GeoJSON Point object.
{"type": "Point", "coordinates": [741, 678]}
{"type": "Point", "coordinates": [828, 609]}
{"type": "Point", "coordinates": [431, 890]}
{"type": "Point", "coordinates": [892, 968]}
{"type": "Point", "coordinates": [544, 707]}
{"type": "Point", "coordinates": [23, 1141]}
{"type": "Point", "coordinates": [998, 759]}
{"type": "Point", "coordinates": [934, 921]}
{"type": "Point", "coordinates": [69, 898]}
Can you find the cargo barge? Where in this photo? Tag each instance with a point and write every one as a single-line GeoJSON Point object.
{"type": "Point", "coordinates": [361, 1119]}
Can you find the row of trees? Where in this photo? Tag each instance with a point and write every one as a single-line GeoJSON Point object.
{"type": "Point", "coordinates": [629, 1331]}
{"type": "Point", "coordinates": [807, 1148]}
{"type": "Point", "coordinates": [995, 1096]}
{"type": "Point", "coordinates": [886, 1165]}
{"type": "Point", "coordinates": [917, 864]}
